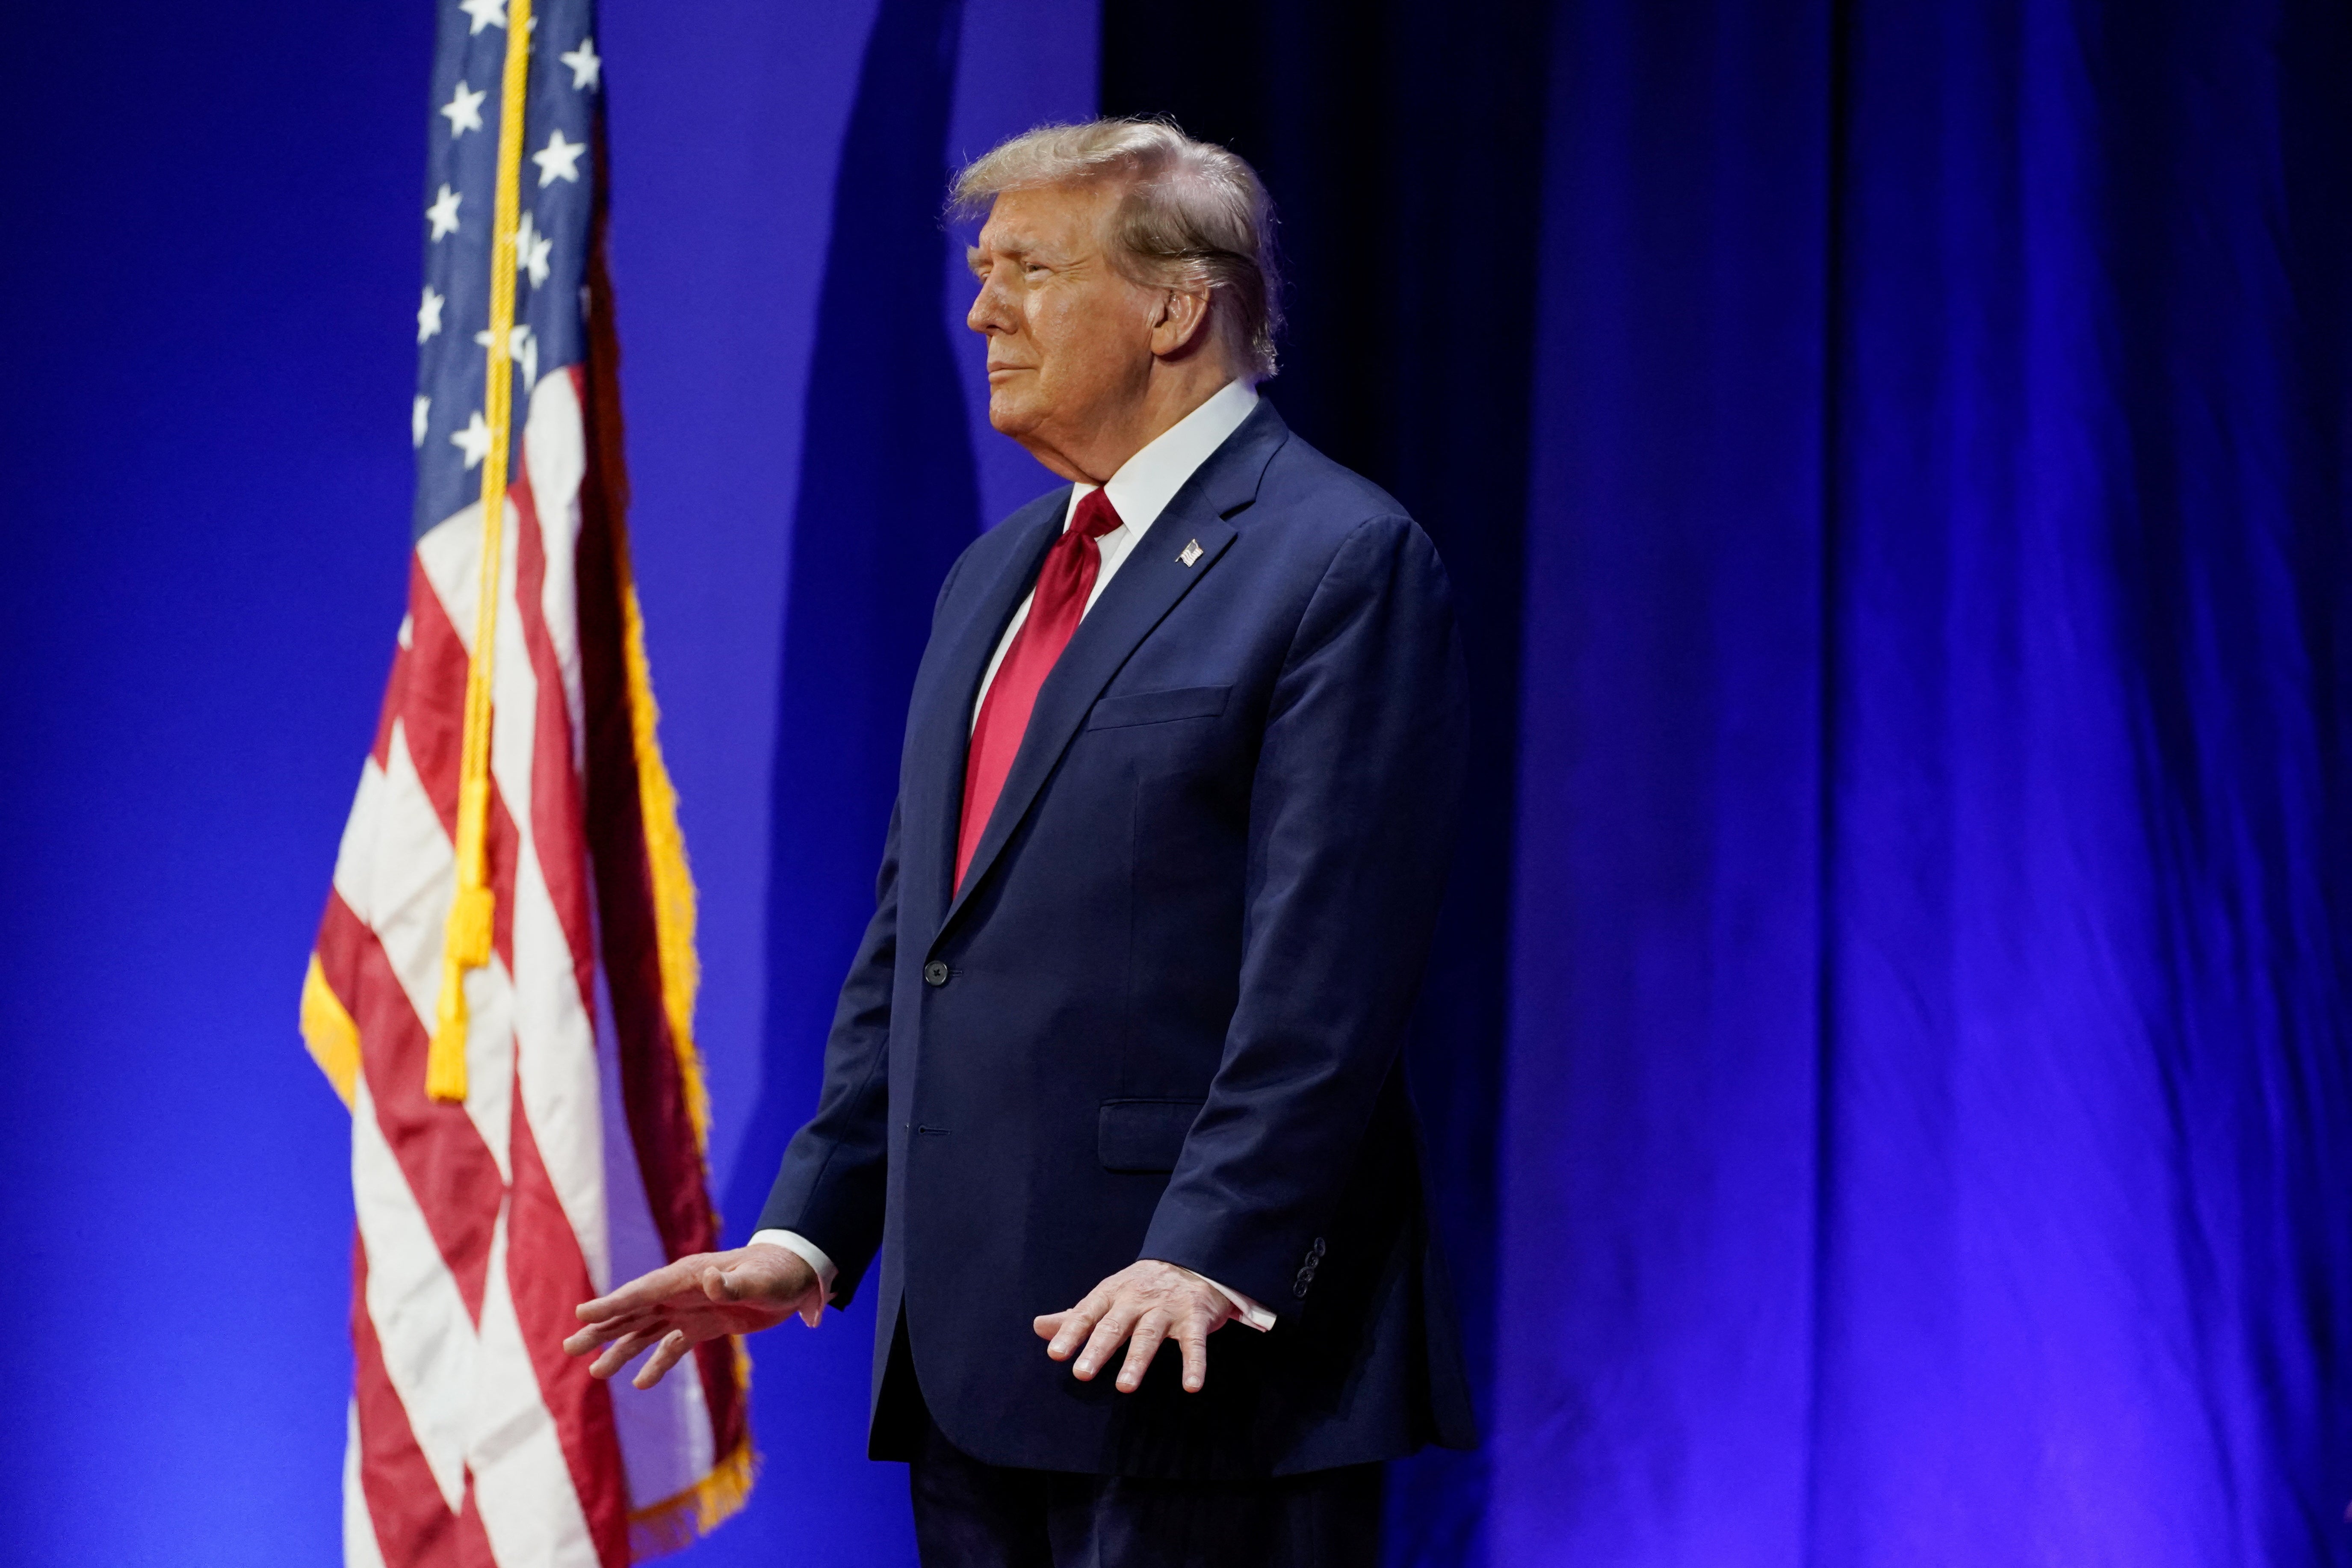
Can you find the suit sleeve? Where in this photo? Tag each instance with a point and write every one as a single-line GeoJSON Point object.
{"type": "Point", "coordinates": [830, 1188]}
{"type": "Point", "coordinates": [1351, 827]}
{"type": "Point", "coordinates": [833, 1184]}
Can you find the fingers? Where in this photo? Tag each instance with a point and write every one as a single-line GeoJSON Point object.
{"type": "Point", "coordinates": [1154, 1329]}
{"type": "Point", "coordinates": [673, 1350]}
{"type": "Point", "coordinates": [643, 1291]}
{"type": "Point", "coordinates": [621, 1352]}
{"type": "Point", "coordinates": [1141, 1307]}
{"type": "Point", "coordinates": [703, 1296]}
{"type": "Point", "coordinates": [1071, 1330]}
{"type": "Point", "coordinates": [1108, 1334]}
{"type": "Point", "coordinates": [604, 1332]}
{"type": "Point", "coordinates": [673, 1346]}
{"type": "Point", "coordinates": [1141, 1346]}
{"type": "Point", "coordinates": [1194, 1340]}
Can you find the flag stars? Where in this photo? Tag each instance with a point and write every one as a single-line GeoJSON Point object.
{"type": "Point", "coordinates": [448, 407]}
{"type": "Point", "coordinates": [521, 348]}
{"type": "Point", "coordinates": [517, 335]}
{"type": "Point", "coordinates": [443, 213]}
{"type": "Point", "coordinates": [531, 251]}
{"type": "Point", "coordinates": [587, 71]}
{"type": "Point", "coordinates": [465, 109]}
{"type": "Point", "coordinates": [558, 160]}
{"type": "Point", "coordinates": [473, 440]}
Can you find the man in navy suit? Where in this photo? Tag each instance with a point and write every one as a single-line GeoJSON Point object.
{"type": "Point", "coordinates": [1116, 1064]}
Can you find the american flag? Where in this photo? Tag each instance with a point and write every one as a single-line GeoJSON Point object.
{"type": "Point", "coordinates": [502, 988]}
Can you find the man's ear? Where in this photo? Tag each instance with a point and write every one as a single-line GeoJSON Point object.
{"type": "Point", "coordinates": [1180, 324]}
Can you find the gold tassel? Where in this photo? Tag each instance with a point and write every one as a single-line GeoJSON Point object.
{"type": "Point", "coordinates": [444, 1059]}
{"type": "Point", "coordinates": [472, 913]}
{"type": "Point", "coordinates": [472, 909]}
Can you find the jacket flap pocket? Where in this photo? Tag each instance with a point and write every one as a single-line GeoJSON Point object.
{"type": "Point", "coordinates": [1144, 1134]}
{"type": "Point", "coordinates": [1159, 707]}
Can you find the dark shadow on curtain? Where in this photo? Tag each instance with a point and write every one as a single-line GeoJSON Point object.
{"type": "Point", "coordinates": [1400, 145]}
{"type": "Point", "coordinates": [886, 502]}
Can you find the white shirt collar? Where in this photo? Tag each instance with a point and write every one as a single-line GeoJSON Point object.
{"type": "Point", "coordinates": [1149, 481]}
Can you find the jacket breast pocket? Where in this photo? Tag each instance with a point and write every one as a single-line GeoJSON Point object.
{"type": "Point", "coordinates": [1159, 707]}
{"type": "Point", "coordinates": [1144, 1135]}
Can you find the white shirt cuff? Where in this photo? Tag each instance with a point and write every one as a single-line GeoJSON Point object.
{"type": "Point", "coordinates": [811, 1254]}
{"type": "Point", "coordinates": [1255, 1316]}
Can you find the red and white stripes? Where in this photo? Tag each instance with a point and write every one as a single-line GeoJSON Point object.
{"type": "Point", "coordinates": [474, 1438]}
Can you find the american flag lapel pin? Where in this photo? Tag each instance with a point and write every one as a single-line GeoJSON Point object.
{"type": "Point", "coordinates": [1190, 553]}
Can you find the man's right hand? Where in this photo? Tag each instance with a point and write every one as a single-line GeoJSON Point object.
{"type": "Point", "coordinates": [695, 1298]}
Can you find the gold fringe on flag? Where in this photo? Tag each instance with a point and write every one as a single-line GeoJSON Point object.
{"type": "Point", "coordinates": [678, 1522]}
{"type": "Point", "coordinates": [328, 1030]}
{"type": "Point", "coordinates": [675, 1522]}
{"type": "Point", "coordinates": [673, 880]}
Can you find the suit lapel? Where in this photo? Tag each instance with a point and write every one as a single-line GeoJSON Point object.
{"type": "Point", "coordinates": [1148, 584]}
{"type": "Point", "coordinates": [942, 725]}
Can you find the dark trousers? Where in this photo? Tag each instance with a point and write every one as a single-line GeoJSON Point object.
{"type": "Point", "coordinates": [969, 1514]}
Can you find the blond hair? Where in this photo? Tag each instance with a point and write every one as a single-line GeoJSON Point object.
{"type": "Point", "coordinates": [1190, 215]}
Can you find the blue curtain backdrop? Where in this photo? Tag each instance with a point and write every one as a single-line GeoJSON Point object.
{"type": "Point", "coordinates": [1930, 1093]}
{"type": "Point", "coordinates": [1886, 1062]}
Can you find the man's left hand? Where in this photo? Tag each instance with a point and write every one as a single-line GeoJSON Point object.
{"type": "Point", "coordinates": [1141, 1305]}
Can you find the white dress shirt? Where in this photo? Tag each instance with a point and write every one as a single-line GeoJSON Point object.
{"type": "Point", "coordinates": [1138, 492]}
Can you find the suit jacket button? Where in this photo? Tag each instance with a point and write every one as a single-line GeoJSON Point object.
{"type": "Point", "coordinates": [935, 973]}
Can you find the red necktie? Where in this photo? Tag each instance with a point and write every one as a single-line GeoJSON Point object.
{"type": "Point", "coordinates": [1063, 584]}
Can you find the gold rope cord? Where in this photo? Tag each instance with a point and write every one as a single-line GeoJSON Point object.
{"type": "Point", "coordinates": [467, 944]}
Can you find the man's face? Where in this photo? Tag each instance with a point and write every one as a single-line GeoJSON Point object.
{"type": "Point", "coordinates": [1070, 340]}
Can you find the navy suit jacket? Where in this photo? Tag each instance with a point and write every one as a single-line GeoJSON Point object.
{"type": "Point", "coordinates": [1162, 1018]}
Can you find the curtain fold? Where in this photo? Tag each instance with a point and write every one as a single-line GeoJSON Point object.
{"type": "Point", "coordinates": [1929, 1101]}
